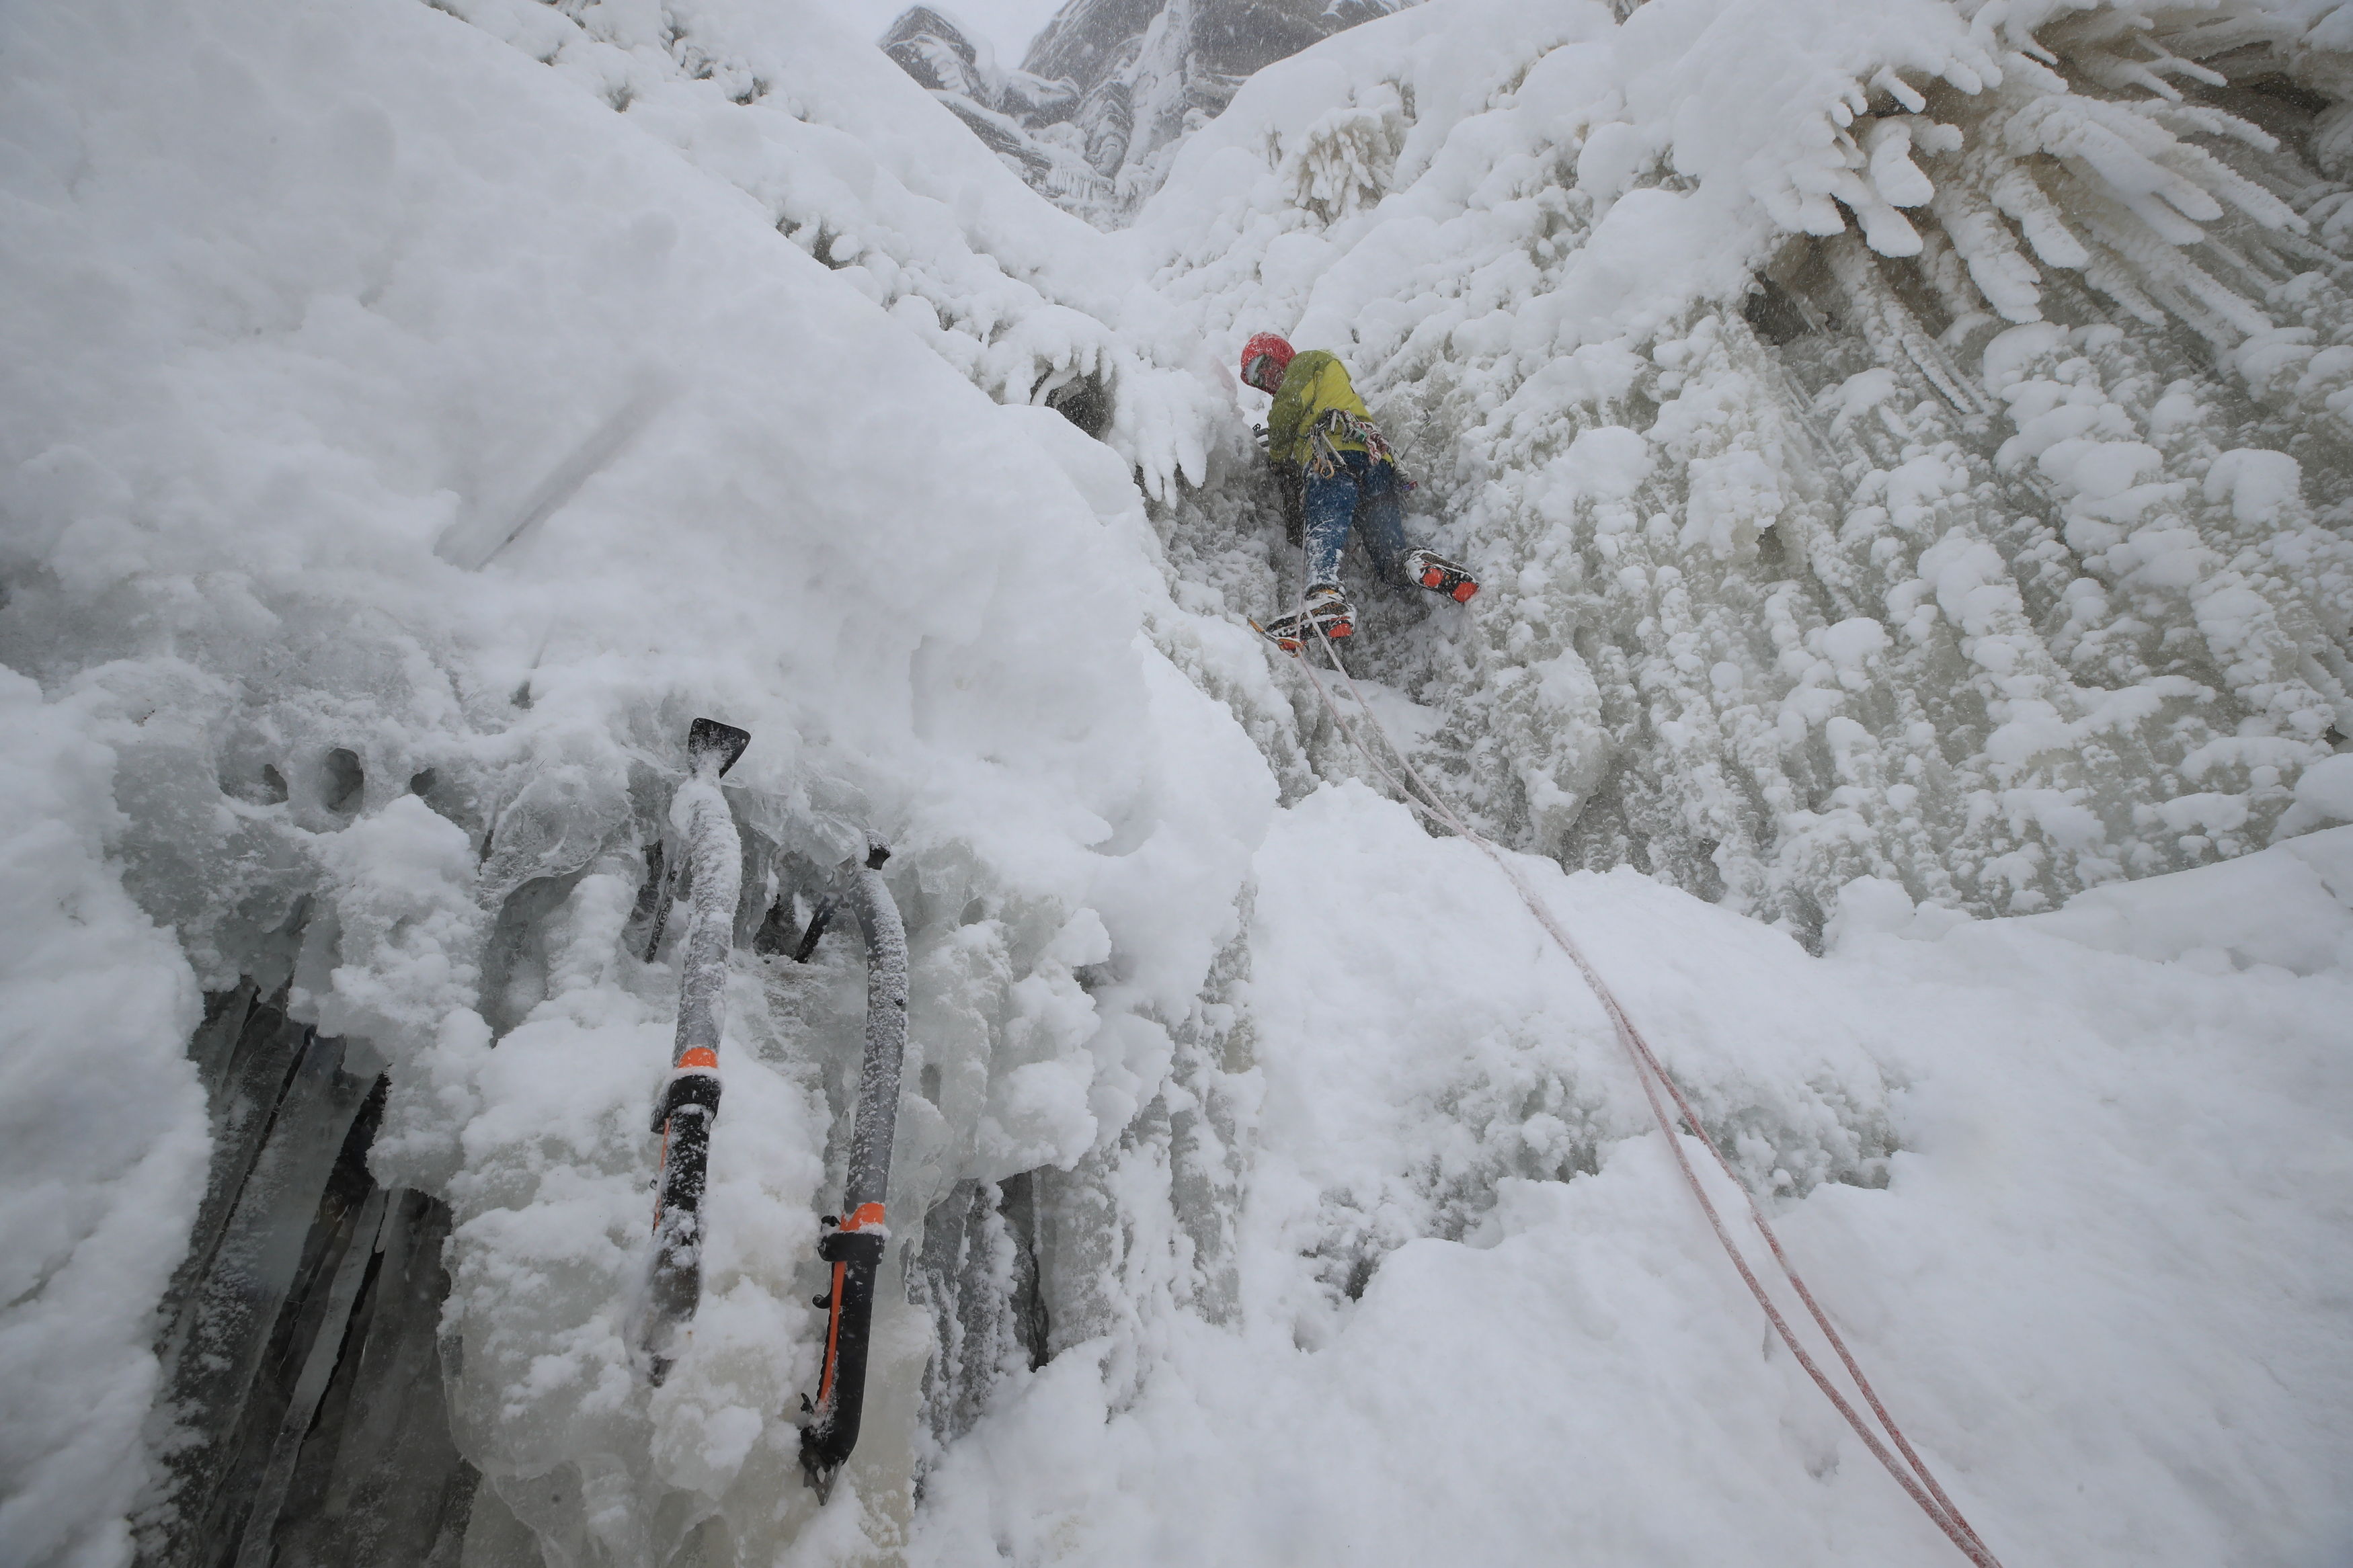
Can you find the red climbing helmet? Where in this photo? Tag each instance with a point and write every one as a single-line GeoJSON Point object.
{"type": "Point", "coordinates": [1266, 346]}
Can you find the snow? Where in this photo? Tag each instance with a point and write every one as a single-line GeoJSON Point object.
{"type": "Point", "coordinates": [710, 854]}
{"type": "Point", "coordinates": [1010, 25]}
{"type": "Point", "coordinates": [2328, 787]}
{"type": "Point", "coordinates": [103, 1139]}
{"type": "Point", "coordinates": [1926, 719]}
{"type": "Point", "coordinates": [2066, 1099]}
{"type": "Point", "coordinates": [275, 461]}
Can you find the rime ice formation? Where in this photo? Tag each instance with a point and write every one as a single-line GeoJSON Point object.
{"type": "Point", "coordinates": [1924, 468]}
{"type": "Point", "coordinates": [1904, 445]}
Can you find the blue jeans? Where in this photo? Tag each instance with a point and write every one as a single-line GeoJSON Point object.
{"type": "Point", "coordinates": [1362, 491]}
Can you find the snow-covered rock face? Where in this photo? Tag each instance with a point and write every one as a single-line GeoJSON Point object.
{"type": "Point", "coordinates": [1111, 89]}
{"type": "Point", "coordinates": [1151, 73]}
{"type": "Point", "coordinates": [398, 460]}
{"type": "Point", "coordinates": [829, 141]}
{"type": "Point", "coordinates": [1902, 445]}
{"type": "Point", "coordinates": [1899, 439]}
{"type": "Point", "coordinates": [1021, 117]}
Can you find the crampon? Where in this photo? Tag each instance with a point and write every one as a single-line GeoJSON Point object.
{"type": "Point", "coordinates": [1439, 576]}
{"type": "Point", "coordinates": [1327, 609]}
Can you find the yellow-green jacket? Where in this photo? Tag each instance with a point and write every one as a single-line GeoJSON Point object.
{"type": "Point", "coordinates": [1312, 385]}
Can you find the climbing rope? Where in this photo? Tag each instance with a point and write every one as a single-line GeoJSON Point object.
{"type": "Point", "coordinates": [1911, 1472]}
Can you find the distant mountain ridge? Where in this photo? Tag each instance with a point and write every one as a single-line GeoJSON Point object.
{"type": "Point", "coordinates": [1111, 89]}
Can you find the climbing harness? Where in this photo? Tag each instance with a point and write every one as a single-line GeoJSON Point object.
{"type": "Point", "coordinates": [853, 1242]}
{"type": "Point", "coordinates": [1336, 425]}
{"type": "Point", "coordinates": [690, 1102]}
{"type": "Point", "coordinates": [1912, 1473]}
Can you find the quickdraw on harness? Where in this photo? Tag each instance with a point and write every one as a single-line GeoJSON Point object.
{"type": "Point", "coordinates": [1338, 425]}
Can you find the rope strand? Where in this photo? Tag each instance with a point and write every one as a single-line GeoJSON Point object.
{"type": "Point", "coordinates": [1911, 1473]}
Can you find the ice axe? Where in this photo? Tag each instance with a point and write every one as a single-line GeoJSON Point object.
{"type": "Point", "coordinates": [708, 738]}
{"type": "Point", "coordinates": [690, 1102]}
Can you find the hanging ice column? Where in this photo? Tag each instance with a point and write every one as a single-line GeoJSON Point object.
{"type": "Point", "coordinates": [690, 1104]}
{"type": "Point", "coordinates": [854, 1240]}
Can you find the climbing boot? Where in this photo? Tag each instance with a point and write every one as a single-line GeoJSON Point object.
{"type": "Point", "coordinates": [1327, 610]}
{"type": "Point", "coordinates": [1439, 576]}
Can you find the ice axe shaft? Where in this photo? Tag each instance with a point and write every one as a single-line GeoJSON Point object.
{"type": "Point", "coordinates": [853, 1244]}
{"type": "Point", "coordinates": [690, 1104]}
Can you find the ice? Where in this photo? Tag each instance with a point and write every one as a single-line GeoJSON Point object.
{"type": "Point", "coordinates": [2147, 573]}
{"type": "Point", "coordinates": [710, 854]}
{"type": "Point", "coordinates": [1902, 445]}
{"type": "Point", "coordinates": [105, 1144]}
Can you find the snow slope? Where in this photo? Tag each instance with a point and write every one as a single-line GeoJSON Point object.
{"type": "Point", "coordinates": [2110, 1318]}
{"type": "Point", "coordinates": [404, 445]}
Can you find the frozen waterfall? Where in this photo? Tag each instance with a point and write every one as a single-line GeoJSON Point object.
{"type": "Point", "coordinates": [1904, 444]}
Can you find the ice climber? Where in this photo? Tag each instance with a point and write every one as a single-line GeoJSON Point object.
{"type": "Point", "coordinates": [1352, 483]}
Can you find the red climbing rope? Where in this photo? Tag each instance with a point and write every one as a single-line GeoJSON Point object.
{"type": "Point", "coordinates": [1911, 1472]}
